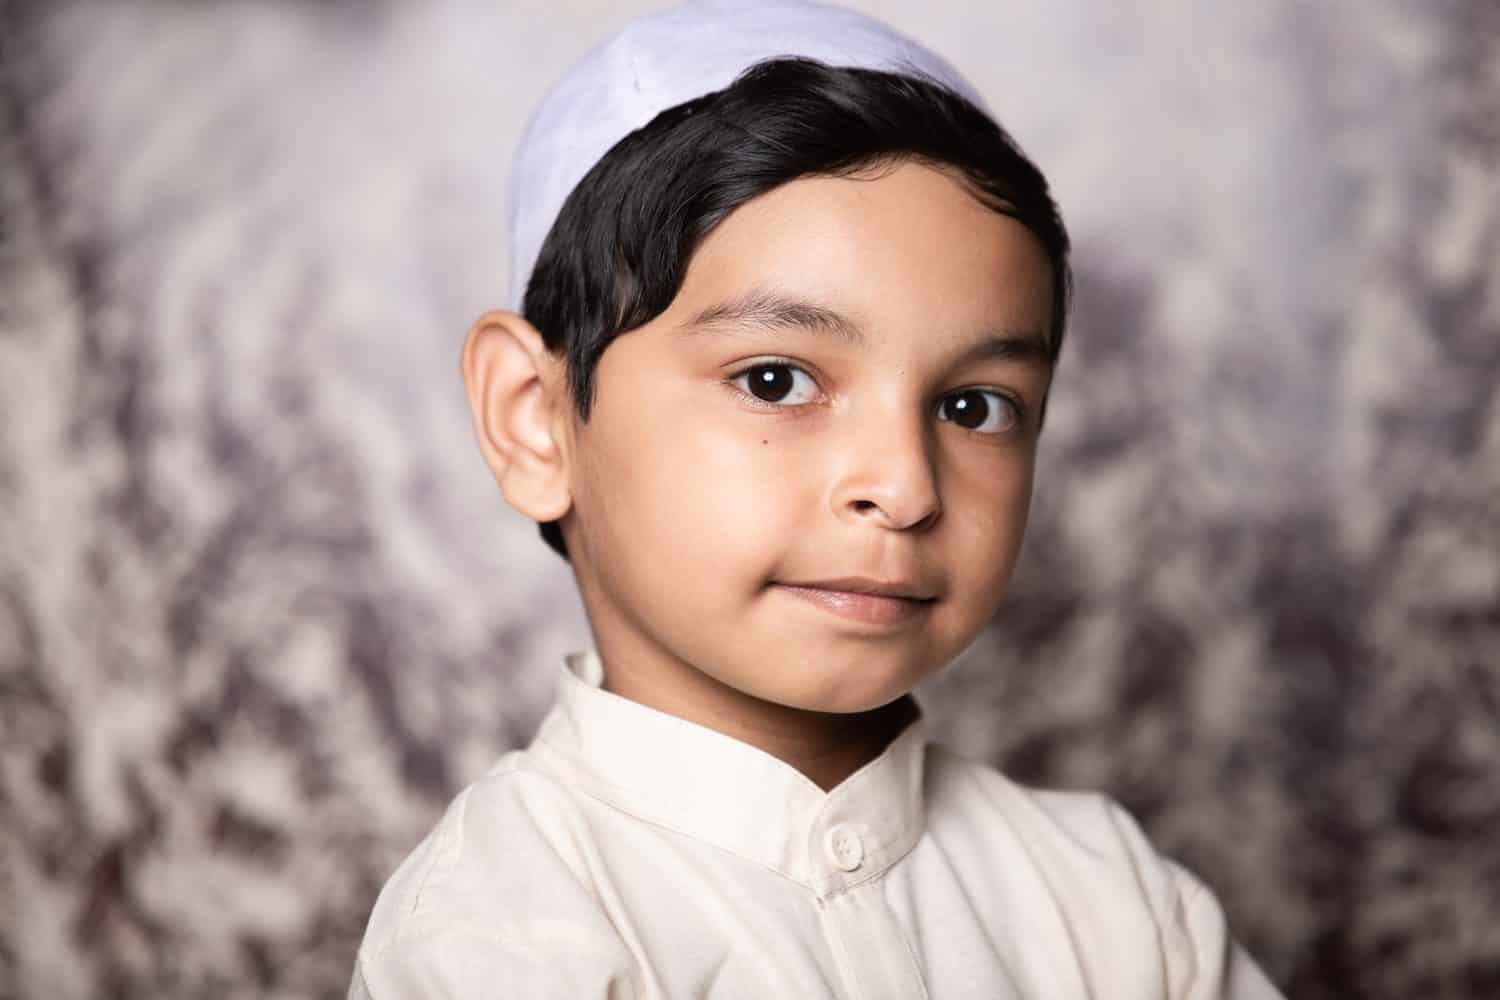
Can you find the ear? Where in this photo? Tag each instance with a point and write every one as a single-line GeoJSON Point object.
{"type": "Point", "coordinates": [518, 399]}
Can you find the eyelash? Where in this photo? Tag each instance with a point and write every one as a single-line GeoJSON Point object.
{"type": "Point", "coordinates": [1010, 400]}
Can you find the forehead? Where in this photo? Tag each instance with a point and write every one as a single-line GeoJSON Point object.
{"type": "Point", "coordinates": [904, 250]}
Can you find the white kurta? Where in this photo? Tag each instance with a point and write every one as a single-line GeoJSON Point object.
{"type": "Point", "coordinates": [628, 853]}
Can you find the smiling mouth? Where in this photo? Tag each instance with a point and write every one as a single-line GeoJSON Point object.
{"type": "Point", "coordinates": [874, 609]}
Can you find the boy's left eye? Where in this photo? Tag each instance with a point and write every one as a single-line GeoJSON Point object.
{"type": "Point", "coordinates": [972, 408]}
{"type": "Point", "coordinates": [777, 383]}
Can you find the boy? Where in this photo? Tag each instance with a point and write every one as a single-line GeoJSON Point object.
{"type": "Point", "coordinates": [782, 340]}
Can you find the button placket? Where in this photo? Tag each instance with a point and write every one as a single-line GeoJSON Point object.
{"type": "Point", "coordinates": [846, 849]}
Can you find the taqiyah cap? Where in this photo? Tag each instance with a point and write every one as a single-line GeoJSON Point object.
{"type": "Point", "coordinates": [664, 59]}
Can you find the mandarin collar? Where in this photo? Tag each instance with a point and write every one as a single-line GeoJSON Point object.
{"type": "Point", "coordinates": [721, 790]}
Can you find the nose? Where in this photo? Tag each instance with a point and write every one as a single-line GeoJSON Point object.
{"type": "Point", "coordinates": [887, 475]}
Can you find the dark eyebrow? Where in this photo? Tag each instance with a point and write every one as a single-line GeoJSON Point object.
{"type": "Point", "coordinates": [763, 309]}
{"type": "Point", "coordinates": [772, 311]}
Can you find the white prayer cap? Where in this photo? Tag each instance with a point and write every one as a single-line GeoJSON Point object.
{"type": "Point", "coordinates": [664, 59]}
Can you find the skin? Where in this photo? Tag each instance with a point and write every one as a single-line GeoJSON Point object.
{"type": "Point", "coordinates": [686, 500]}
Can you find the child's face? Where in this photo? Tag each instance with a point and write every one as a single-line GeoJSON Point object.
{"type": "Point", "coordinates": [906, 456]}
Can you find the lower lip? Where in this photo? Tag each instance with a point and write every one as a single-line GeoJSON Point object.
{"type": "Point", "coordinates": [874, 609]}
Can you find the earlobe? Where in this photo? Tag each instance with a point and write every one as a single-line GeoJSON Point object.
{"type": "Point", "coordinates": [512, 382]}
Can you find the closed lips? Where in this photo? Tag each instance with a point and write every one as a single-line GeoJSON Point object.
{"type": "Point", "coordinates": [878, 588]}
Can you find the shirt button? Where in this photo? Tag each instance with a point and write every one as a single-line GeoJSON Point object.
{"type": "Point", "coordinates": [845, 848]}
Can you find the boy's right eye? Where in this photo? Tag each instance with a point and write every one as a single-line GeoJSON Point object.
{"type": "Point", "coordinates": [777, 383]}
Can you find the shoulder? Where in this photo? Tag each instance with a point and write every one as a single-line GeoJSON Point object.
{"type": "Point", "coordinates": [1087, 823]}
{"type": "Point", "coordinates": [1099, 869]}
{"type": "Point", "coordinates": [516, 829]}
{"type": "Point", "coordinates": [502, 881]}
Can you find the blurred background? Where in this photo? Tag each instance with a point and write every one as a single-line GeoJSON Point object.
{"type": "Point", "coordinates": [263, 609]}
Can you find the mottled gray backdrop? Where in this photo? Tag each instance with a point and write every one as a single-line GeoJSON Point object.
{"type": "Point", "coordinates": [263, 610]}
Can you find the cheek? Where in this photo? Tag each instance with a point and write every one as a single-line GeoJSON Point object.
{"type": "Point", "coordinates": [747, 487]}
{"type": "Point", "coordinates": [691, 493]}
{"type": "Point", "coordinates": [990, 517]}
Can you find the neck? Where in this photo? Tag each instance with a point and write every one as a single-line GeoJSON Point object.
{"type": "Point", "coordinates": [826, 747]}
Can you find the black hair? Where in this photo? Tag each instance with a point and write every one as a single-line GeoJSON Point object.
{"type": "Point", "coordinates": [617, 253]}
